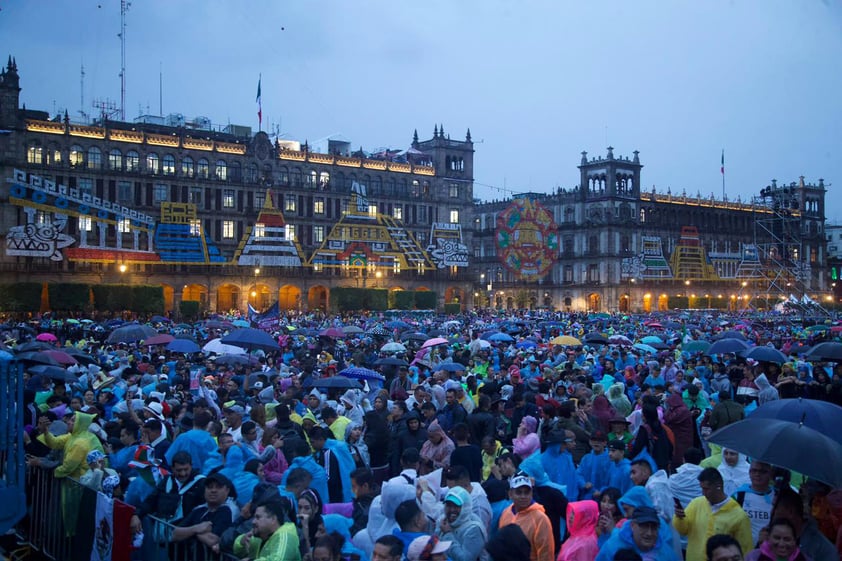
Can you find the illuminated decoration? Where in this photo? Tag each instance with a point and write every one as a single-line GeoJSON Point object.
{"type": "Point", "coordinates": [269, 247]}
{"type": "Point", "coordinates": [527, 239]}
{"type": "Point", "coordinates": [38, 239]}
{"type": "Point", "coordinates": [446, 248]}
{"type": "Point", "coordinates": [369, 241]}
{"type": "Point", "coordinates": [688, 259]}
{"type": "Point", "coordinates": [177, 240]}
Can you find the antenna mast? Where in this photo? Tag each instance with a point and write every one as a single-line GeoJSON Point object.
{"type": "Point", "coordinates": [82, 91]}
{"type": "Point", "coordinates": [124, 7]}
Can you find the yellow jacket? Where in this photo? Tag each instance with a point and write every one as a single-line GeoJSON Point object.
{"type": "Point", "coordinates": [700, 523]}
{"type": "Point", "coordinates": [76, 446]}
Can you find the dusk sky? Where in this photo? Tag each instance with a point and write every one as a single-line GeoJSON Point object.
{"type": "Point", "coordinates": [536, 81]}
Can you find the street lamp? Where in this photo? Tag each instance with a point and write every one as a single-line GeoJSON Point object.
{"type": "Point", "coordinates": [123, 267]}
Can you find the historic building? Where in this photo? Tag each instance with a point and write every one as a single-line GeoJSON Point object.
{"type": "Point", "coordinates": [227, 217]}
{"type": "Point", "coordinates": [608, 245]}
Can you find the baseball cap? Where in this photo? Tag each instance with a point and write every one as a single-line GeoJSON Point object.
{"type": "Point", "coordinates": [617, 445]}
{"type": "Point", "coordinates": [453, 498]}
{"type": "Point", "coordinates": [219, 479]}
{"type": "Point", "coordinates": [644, 514]}
{"type": "Point", "coordinates": [423, 548]}
{"type": "Point", "coordinates": [235, 409]}
{"type": "Point", "coordinates": [520, 480]}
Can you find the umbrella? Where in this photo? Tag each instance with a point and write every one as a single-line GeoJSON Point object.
{"type": "Point", "coordinates": [183, 346]}
{"type": "Point", "coordinates": [501, 338]}
{"type": "Point", "coordinates": [645, 348]}
{"type": "Point", "coordinates": [433, 342]}
{"type": "Point", "coordinates": [799, 348]}
{"type": "Point", "coordinates": [186, 336]}
{"type": "Point", "coordinates": [565, 340]}
{"type": "Point", "coordinates": [416, 336]}
{"type": "Point", "coordinates": [652, 340]}
{"type": "Point", "coordinates": [47, 337]}
{"type": "Point", "coordinates": [392, 347]}
{"type": "Point", "coordinates": [33, 346]}
{"type": "Point", "coordinates": [766, 354]}
{"type": "Point", "coordinates": [233, 360]}
{"type": "Point", "coordinates": [732, 335]}
{"type": "Point", "coordinates": [814, 328]}
{"type": "Point", "coordinates": [825, 351]}
{"type": "Point", "coordinates": [61, 357]}
{"type": "Point", "coordinates": [80, 356]}
{"type": "Point", "coordinates": [53, 372]}
{"type": "Point", "coordinates": [397, 324]}
{"type": "Point", "coordinates": [451, 367]}
{"type": "Point", "coordinates": [526, 344]}
{"type": "Point", "coordinates": [725, 346]}
{"type": "Point", "coordinates": [241, 323]}
{"type": "Point", "coordinates": [435, 333]}
{"type": "Point", "coordinates": [595, 338]}
{"type": "Point", "coordinates": [37, 357]}
{"type": "Point", "coordinates": [131, 333]}
{"type": "Point", "coordinates": [251, 339]}
{"type": "Point", "coordinates": [483, 344]}
{"type": "Point", "coordinates": [332, 332]}
{"type": "Point", "coordinates": [359, 373]}
{"type": "Point", "coordinates": [352, 330]}
{"type": "Point", "coordinates": [332, 382]}
{"type": "Point", "coordinates": [781, 443]}
{"type": "Point", "coordinates": [220, 348]}
{"type": "Point", "coordinates": [379, 331]}
{"type": "Point", "coordinates": [161, 339]}
{"type": "Point", "coordinates": [619, 340]}
{"type": "Point", "coordinates": [695, 346]}
{"type": "Point", "coordinates": [216, 324]}
{"type": "Point", "coordinates": [822, 416]}
{"type": "Point", "coordinates": [160, 319]}
{"type": "Point", "coordinates": [390, 361]}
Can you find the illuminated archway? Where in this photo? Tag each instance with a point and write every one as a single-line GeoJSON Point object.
{"type": "Point", "coordinates": [625, 303]}
{"type": "Point", "coordinates": [663, 303]}
{"type": "Point", "coordinates": [195, 293]}
{"type": "Point", "coordinates": [594, 303]}
{"type": "Point", "coordinates": [647, 302]}
{"type": "Point", "coordinates": [289, 297]}
{"type": "Point", "coordinates": [318, 298]}
{"type": "Point", "coordinates": [227, 298]}
{"type": "Point", "coordinates": [454, 295]}
{"type": "Point", "coordinates": [169, 298]}
{"type": "Point", "coordinates": [260, 297]}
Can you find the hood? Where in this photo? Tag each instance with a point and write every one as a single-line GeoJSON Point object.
{"type": "Point", "coordinates": [762, 382]}
{"type": "Point", "coordinates": [582, 517]}
{"type": "Point", "coordinates": [350, 397]}
{"type": "Point", "coordinates": [309, 415]}
{"type": "Point", "coordinates": [615, 391]}
{"type": "Point", "coordinates": [635, 497]}
{"type": "Point", "coordinates": [467, 513]}
{"type": "Point", "coordinates": [675, 401]}
{"type": "Point", "coordinates": [83, 423]}
{"type": "Point", "coordinates": [351, 426]}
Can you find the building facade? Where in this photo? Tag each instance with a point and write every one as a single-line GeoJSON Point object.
{"type": "Point", "coordinates": [227, 217]}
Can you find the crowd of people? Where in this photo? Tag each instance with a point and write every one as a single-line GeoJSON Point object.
{"type": "Point", "coordinates": [452, 444]}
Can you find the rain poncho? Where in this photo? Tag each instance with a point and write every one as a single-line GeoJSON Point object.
{"type": "Point", "coordinates": [582, 517]}
{"type": "Point", "coordinates": [468, 532]}
{"type": "Point", "coordinates": [734, 477]}
{"type": "Point", "coordinates": [767, 392]}
{"type": "Point", "coordinates": [594, 469]}
{"type": "Point", "coordinates": [537, 528]}
{"type": "Point", "coordinates": [617, 397]}
{"type": "Point", "coordinates": [559, 467]}
{"type": "Point", "coordinates": [76, 446]}
{"type": "Point", "coordinates": [198, 443]}
{"type": "Point", "coordinates": [319, 482]}
{"type": "Point", "coordinates": [346, 465]}
{"type": "Point", "coordinates": [438, 454]}
{"type": "Point", "coordinates": [358, 449]}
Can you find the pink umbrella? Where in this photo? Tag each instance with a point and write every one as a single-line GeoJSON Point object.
{"type": "Point", "coordinates": [60, 357]}
{"type": "Point", "coordinates": [161, 339]}
{"type": "Point", "coordinates": [46, 337]}
{"type": "Point", "coordinates": [434, 341]}
{"type": "Point", "coordinates": [332, 332]}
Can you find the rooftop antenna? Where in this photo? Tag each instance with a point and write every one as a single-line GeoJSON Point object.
{"type": "Point", "coordinates": [124, 7]}
{"type": "Point", "coordinates": [82, 92]}
{"type": "Point", "coordinates": [160, 89]}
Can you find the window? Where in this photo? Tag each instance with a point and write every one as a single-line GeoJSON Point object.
{"type": "Point", "coordinates": [187, 168]}
{"type": "Point", "coordinates": [453, 188]}
{"type": "Point", "coordinates": [153, 163]}
{"type": "Point", "coordinates": [228, 198]}
{"type": "Point", "coordinates": [57, 159]}
{"type": "Point", "coordinates": [159, 192]}
{"type": "Point", "coordinates": [319, 205]}
{"type": "Point", "coordinates": [132, 161]}
{"type": "Point", "coordinates": [593, 244]}
{"type": "Point", "coordinates": [289, 203]}
{"type": "Point", "coordinates": [324, 179]}
{"type": "Point", "coordinates": [312, 178]}
{"type": "Point", "coordinates": [195, 195]}
{"type": "Point", "coordinates": [35, 155]}
{"type": "Point", "coordinates": [85, 185]}
{"type": "Point", "coordinates": [195, 227]}
{"type": "Point", "coordinates": [228, 229]}
{"type": "Point", "coordinates": [94, 158]}
{"type": "Point", "coordinates": [422, 214]}
{"type": "Point", "coordinates": [289, 232]}
{"type": "Point", "coordinates": [259, 230]}
{"type": "Point", "coordinates": [593, 272]}
{"type": "Point", "coordinates": [259, 199]}
{"type": "Point", "coordinates": [115, 160]}
{"type": "Point", "coordinates": [124, 191]}
{"type": "Point", "coordinates": [124, 225]}
{"type": "Point", "coordinates": [86, 224]}
{"type": "Point", "coordinates": [318, 234]}
{"type": "Point", "coordinates": [397, 212]}
{"type": "Point", "coordinates": [77, 156]}
{"type": "Point", "coordinates": [454, 216]}
{"type": "Point", "coordinates": [203, 169]}
{"type": "Point", "coordinates": [168, 165]}
{"type": "Point", "coordinates": [221, 170]}
{"type": "Point", "coordinates": [251, 173]}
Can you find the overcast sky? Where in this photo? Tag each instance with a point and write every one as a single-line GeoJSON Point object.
{"type": "Point", "coordinates": [536, 81]}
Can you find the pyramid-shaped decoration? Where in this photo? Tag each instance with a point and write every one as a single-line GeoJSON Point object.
{"type": "Point", "coordinates": [265, 244]}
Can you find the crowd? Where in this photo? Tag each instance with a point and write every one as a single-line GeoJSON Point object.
{"type": "Point", "coordinates": [453, 444]}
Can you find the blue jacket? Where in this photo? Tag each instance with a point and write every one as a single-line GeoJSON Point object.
{"type": "Point", "coordinates": [319, 482]}
{"type": "Point", "coordinates": [622, 539]}
{"type": "Point", "coordinates": [198, 443]}
{"type": "Point", "coordinates": [594, 468]}
{"type": "Point", "coordinates": [619, 475]}
{"type": "Point", "coordinates": [560, 469]}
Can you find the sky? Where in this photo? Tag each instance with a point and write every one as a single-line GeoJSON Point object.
{"type": "Point", "coordinates": [537, 81]}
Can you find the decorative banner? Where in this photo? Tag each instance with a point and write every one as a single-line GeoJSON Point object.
{"type": "Point", "coordinates": [527, 239]}
{"type": "Point", "coordinates": [103, 528]}
{"type": "Point", "coordinates": [446, 248]}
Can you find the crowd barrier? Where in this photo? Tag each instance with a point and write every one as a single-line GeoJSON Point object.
{"type": "Point", "coordinates": [62, 522]}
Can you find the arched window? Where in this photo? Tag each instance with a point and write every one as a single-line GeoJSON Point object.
{"type": "Point", "coordinates": [295, 177]}
{"type": "Point", "coordinates": [312, 179]}
{"type": "Point", "coordinates": [283, 175]}
{"type": "Point", "coordinates": [251, 173]}
{"type": "Point", "coordinates": [221, 170]}
{"type": "Point", "coordinates": [35, 155]}
{"type": "Point", "coordinates": [168, 164]}
{"type": "Point", "coordinates": [235, 171]}
{"type": "Point", "coordinates": [324, 180]}
{"type": "Point", "coordinates": [132, 161]}
{"type": "Point", "coordinates": [187, 167]}
{"type": "Point", "coordinates": [77, 156]}
{"type": "Point", "coordinates": [153, 163]}
{"type": "Point", "coordinates": [94, 158]}
{"type": "Point", "coordinates": [203, 169]}
{"type": "Point", "coordinates": [115, 160]}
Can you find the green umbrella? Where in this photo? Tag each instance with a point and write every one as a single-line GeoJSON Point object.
{"type": "Point", "coordinates": [695, 346]}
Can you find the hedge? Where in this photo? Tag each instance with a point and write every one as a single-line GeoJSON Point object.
{"type": "Point", "coordinates": [20, 296]}
{"type": "Point", "coordinates": [426, 300]}
{"type": "Point", "coordinates": [402, 299]}
{"type": "Point", "coordinates": [70, 297]}
{"type": "Point", "coordinates": [141, 299]}
{"type": "Point", "coordinates": [189, 309]}
{"type": "Point", "coordinates": [348, 299]}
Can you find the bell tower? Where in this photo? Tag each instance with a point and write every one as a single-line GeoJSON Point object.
{"type": "Point", "coordinates": [9, 94]}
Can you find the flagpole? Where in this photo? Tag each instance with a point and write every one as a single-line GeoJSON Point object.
{"type": "Point", "coordinates": [723, 174]}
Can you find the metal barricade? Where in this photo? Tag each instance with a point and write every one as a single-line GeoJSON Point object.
{"type": "Point", "coordinates": [164, 549]}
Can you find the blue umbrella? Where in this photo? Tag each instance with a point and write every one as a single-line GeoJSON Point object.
{"type": "Point", "coordinates": [331, 382]}
{"type": "Point", "coordinates": [501, 338]}
{"type": "Point", "coordinates": [359, 373]}
{"type": "Point", "coordinates": [451, 367]}
{"type": "Point", "coordinates": [251, 339]}
{"type": "Point", "coordinates": [822, 416]}
{"type": "Point", "coordinates": [726, 346]}
{"type": "Point", "coordinates": [526, 344]}
{"type": "Point", "coordinates": [766, 354]}
{"type": "Point", "coordinates": [652, 340]}
{"type": "Point", "coordinates": [645, 348]}
{"type": "Point", "coordinates": [183, 346]}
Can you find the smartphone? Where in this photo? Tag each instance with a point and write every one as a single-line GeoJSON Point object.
{"type": "Point", "coordinates": [677, 503]}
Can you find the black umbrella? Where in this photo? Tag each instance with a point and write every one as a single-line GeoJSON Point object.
{"type": "Point", "coordinates": [332, 382]}
{"type": "Point", "coordinates": [595, 338]}
{"type": "Point", "coordinates": [766, 354]}
{"type": "Point", "coordinates": [732, 335]}
{"type": "Point", "coordinates": [131, 333]}
{"type": "Point", "coordinates": [53, 372]}
{"type": "Point", "coordinates": [379, 331]}
{"type": "Point", "coordinates": [414, 336]}
{"type": "Point", "coordinates": [822, 416]}
{"type": "Point", "coordinates": [726, 346]}
{"type": "Point", "coordinates": [250, 338]}
{"type": "Point", "coordinates": [781, 443]}
{"type": "Point", "coordinates": [37, 358]}
{"type": "Point", "coordinates": [33, 346]}
{"type": "Point", "coordinates": [233, 360]}
{"type": "Point", "coordinates": [390, 361]}
{"type": "Point", "coordinates": [825, 351]}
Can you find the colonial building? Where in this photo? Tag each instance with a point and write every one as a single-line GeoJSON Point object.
{"type": "Point", "coordinates": [227, 217]}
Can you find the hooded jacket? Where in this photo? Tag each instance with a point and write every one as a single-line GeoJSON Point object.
{"type": "Point", "coordinates": [618, 399]}
{"type": "Point", "coordinates": [468, 532]}
{"type": "Point", "coordinates": [736, 476]}
{"type": "Point", "coordinates": [700, 523]}
{"type": "Point", "coordinates": [767, 391]}
{"type": "Point", "coordinates": [623, 539]}
{"type": "Point", "coordinates": [537, 528]}
{"type": "Point", "coordinates": [582, 517]}
{"type": "Point", "coordinates": [76, 446]}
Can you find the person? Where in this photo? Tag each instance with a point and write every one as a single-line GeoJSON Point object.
{"type": "Point", "coordinates": [781, 544]}
{"type": "Point", "coordinates": [462, 527]}
{"type": "Point", "coordinates": [335, 422]}
{"type": "Point", "coordinates": [619, 469]}
{"type": "Point", "coordinates": [412, 523]}
{"type": "Point", "coordinates": [428, 548]}
{"type": "Point", "coordinates": [557, 463]}
{"type": "Point", "coordinates": [303, 459]}
{"type": "Point", "coordinates": [509, 544]}
{"type": "Point", "coordinates": [387, 548]}
{"type": "Point", "coordinates": [725, 412]}
{"type": "Point", "coordinates": [328, 547]}
{"type": "Point", "coordinates": [609, 514]}
{"type": "Point", "coordinates": [197, 442]}
{"type": "Point", "coordinates": [273, 535]}
{"type": "Point", "coordinates": [438, 447]}
{"type": "Point", "coordinates": [77, 443]}
{"type": "Point", "coordinates": [713, 512]}
{"type": "Point", "coordinates": [684, 483]}
{"type": "Point", "coordinates": [595, 465]}
{"type": "Point", "coordinates": [681, 422]}
{"type": "Point", "coordinates": [362, 487]}
{"type": "Point", "coordinates": [652, 437]}
{"type": "Point", "coordinates": [466, 454]}
{"type": "Point", "coordinates": [527, 441]}
{"type": "Point", "coordinates": [640, 535]}
{"type": "Point", "coordinates": [328, 460]}
{"type": "Point", "coordinates": [582, 517]}
{"type": "Point", "coordinates": [457, 476]}
{"type": "Point", "coordinates": [812, 542]}
{"type": "Point", "coordinates": [722, 547]}
{"type": "Point", "coordinates": [206, 522]}
{"type": "Point", "coordinates": [153, 433]}
{"type": "Point", "coordinates": [758, 497]}
{"type": "Point", "coordinates": [529, 515]}
{"type": "Point", "coordinates": [734, 469]}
